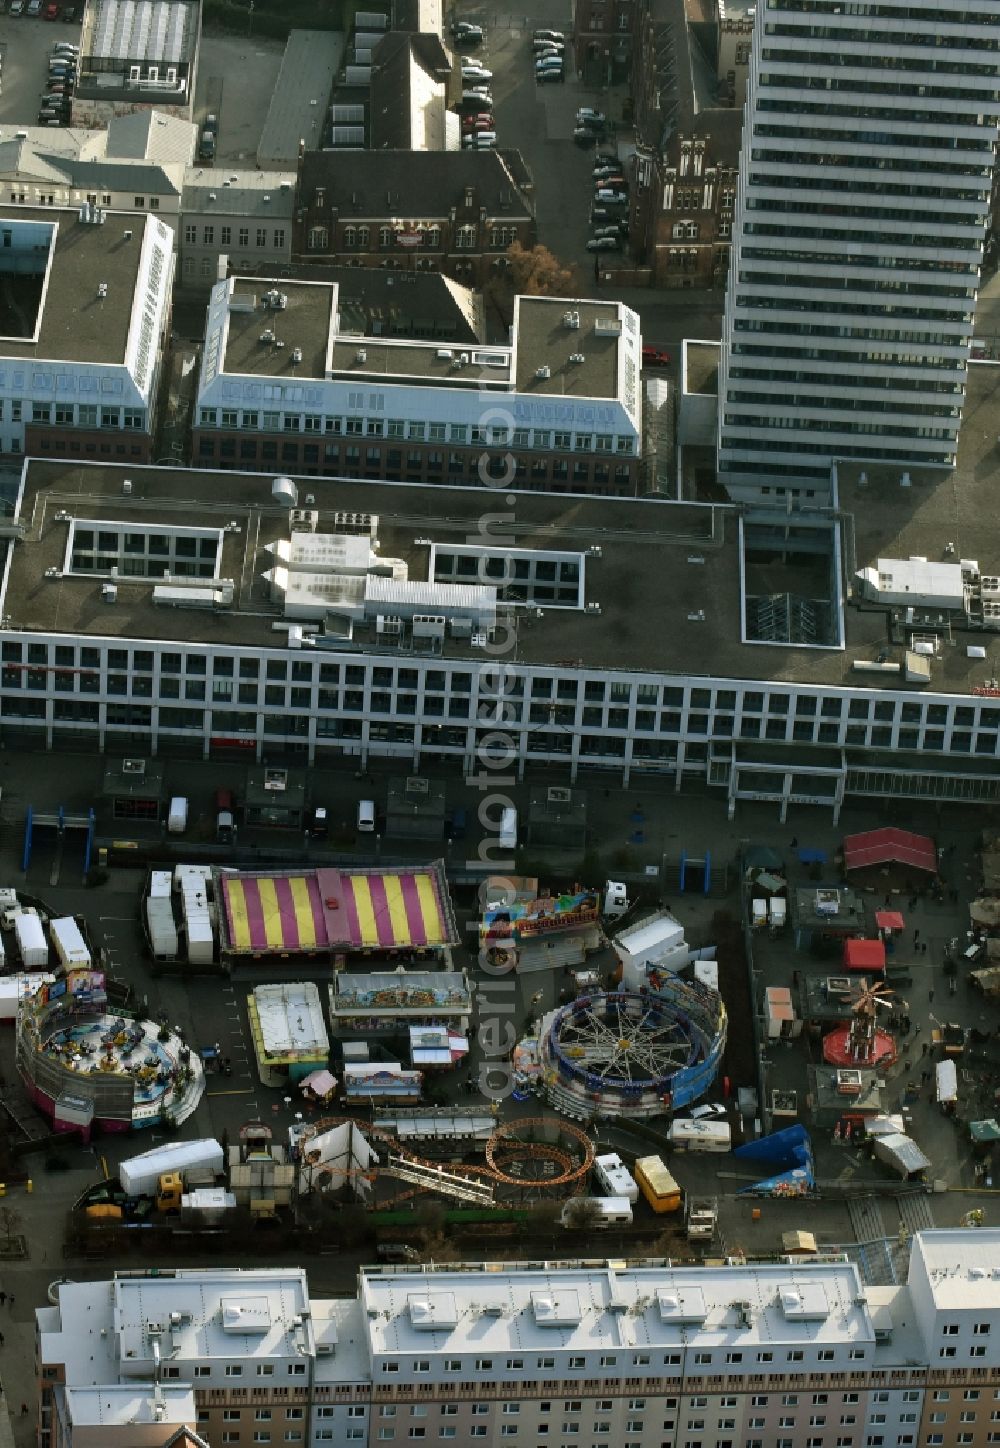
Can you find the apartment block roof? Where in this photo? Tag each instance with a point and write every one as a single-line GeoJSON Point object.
{"type": "Point", "coordinates": [962, 1267]}
{"type": "Point", "coordinates": [569, 1310]}
{"type": "Point", "coordinates": [413, 184]}
{"type": "Point", "coordinates": [121, 1405]}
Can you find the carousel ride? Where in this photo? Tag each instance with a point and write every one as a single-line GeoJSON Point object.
{"type": "Point", "coordinates": [633, 1052]}
{"type": "Point", "coordinates": [860, 1042]}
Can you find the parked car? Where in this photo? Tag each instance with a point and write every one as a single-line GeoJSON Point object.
{"type": "Point", "coordinates": [547, 77]}
{"type": "Point", "coordinates": [546, 52]}
{"type": "Point", "coordinates": [607, 231]}
{"type": "Point", "coordinates": [584, 137]}
{"type": "Point", "coordinates": [17, 7]}
{"type": "Point", "coordinates": [464, 27]}
{"type": "Point", "coordinates": [654, 356]}
{"type": "Point", "coordinates": [69, 14]}
{"type": "Point", "coordinates": [604, 243]}
{"type": "Point", "coordinates": [34, 8]}
{"type": "Point", "coordinates": [476, 72]}
{"type": "Point", "coordinates": [319, 823]}
{"type": "Point", "coordinates": [211, 124]}
{"type": "Point", "coordinates": [606, 158]}
{"type": "Point", "coordinates": [548, 35]}
{"type": "Point", "coordinates": [482, 121]}
{"type": "Point", "coordinates": [605, 197]}
{"type": "Point", "coordinates": [51, 12]}
{"type": "Point", "coordinates": [585, 115]}
{"type": "Point", "coordinates": [468, 38]}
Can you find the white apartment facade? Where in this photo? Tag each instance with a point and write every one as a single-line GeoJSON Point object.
{"type": "Point", "coordinates": [793, 1354]}
{"type": "Point", "coordinates": [857, 241]}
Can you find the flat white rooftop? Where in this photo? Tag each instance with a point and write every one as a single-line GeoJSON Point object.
{"type": "Point", "coordinates": [291, 1019]}
{"type": "Point", "coordinates": [576, 1309]}
{"type": "Point", "coordinates": [962, 1267]}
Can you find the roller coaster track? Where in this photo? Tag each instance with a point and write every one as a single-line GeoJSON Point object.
{"type": "Point", "coordinates": [506, 1151]}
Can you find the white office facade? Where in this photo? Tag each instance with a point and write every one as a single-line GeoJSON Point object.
{"type": "Point", "coordinates": [182, 697]}
{"type": "Point", "coordinates": [862, 207]}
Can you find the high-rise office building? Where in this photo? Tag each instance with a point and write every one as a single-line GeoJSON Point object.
{"type": "Point", "coordinates": [868, 147]}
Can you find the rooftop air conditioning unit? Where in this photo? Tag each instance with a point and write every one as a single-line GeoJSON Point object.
{"type": "Point", "coordinates": [558, 794]}
{"type": "Point", "coordinates": [577, 357]}
{"type": "Point", "coordinates": [296, 355]}
{"type": "Point", "coordinates": [361, 355]}
{"type": "Point", "coordinates": [838, 984]}
{"type": "Point", "coordinates": [303, 520]}
{"type": "Point", "coordinates": [543, 373]}
{"type": "Point", "coordinates": [416, 785]}
{"type": "Point", "coordinates": [135, 767]}
{"type": "Point", "coordinates": [266, 336]}
{"type": "Point", "coordinates": [571, 320]}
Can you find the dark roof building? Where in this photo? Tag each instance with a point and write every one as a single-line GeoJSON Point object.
{"type": "Point", "coordinates": [452, 211]}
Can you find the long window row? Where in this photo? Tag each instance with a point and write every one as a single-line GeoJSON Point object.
{"type": "Point", "coordinates": [463, 434]}
{"type": "Point", "coordinates": [229, 693]}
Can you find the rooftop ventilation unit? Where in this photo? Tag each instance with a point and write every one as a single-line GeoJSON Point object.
{"type": "Point", "coordinates": [135, 767]}
{"type": "Point", "coordinates": [266, 336]}
{"type": "Point", "coordinates": [283, 490]}
{"type": "Point", "coordinates": [571, 320]}
{"type": "Point", "coordinates": [445, 354]}
{"type": "Point", "coordinates": [416, 785]}
{"type": "Point", "coordinates": [361, 524]}
{"type": "Point", "coordinates": [296, 355]}
{"type": "Point", "coordinates": [127, 487]}
{"type": "Point", "coordinates": [608, 327]}
{"type": "Point", "coordinates": [275, 300]}
{"type": "Point", "coordinates": [102, 290]}
{"type": "Point", "coordinates": [303, 520]}
{"type": "Point", "coordinates": [543, 373]}
{"type": "Point", "coordinates": [558, 794]}
{"type": "Point", "coordinates": [361, 355]}
{"type": "Point", "coordinates": [577, 357]}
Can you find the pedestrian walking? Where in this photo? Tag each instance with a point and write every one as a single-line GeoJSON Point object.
{"type": "Point", "coordinates": [795, 843]}
{"type": "Point", "coordinates": [24, 1410]}
{"type": "Point", "coordinates": [3, 1298]}
{"type": "Point", "coordinates": [916, 936]}
{"type": "Point", "coordinates": [930, 995]}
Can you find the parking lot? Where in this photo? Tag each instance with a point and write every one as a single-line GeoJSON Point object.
{"type": "Point", "coordinates": [25, 45]}
{"type": "Point", "coordinates": [539, 120]}
{"type": "Point", "coordinates": [236, 78]}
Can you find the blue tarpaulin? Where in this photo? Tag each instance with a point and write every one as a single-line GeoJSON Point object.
{"type": "Point", "coordinates": [812, 857]}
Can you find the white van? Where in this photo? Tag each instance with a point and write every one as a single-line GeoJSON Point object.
{"type": "Point", "coordinates": [597, 1213]}
{"type": "Point", "coordinates": [508, 828]}
{"type": "Point", "coordinates": [614, 1177]}
{"type": "Point", "coordinates": [177, 815]}
{"type": "Point", "coordinates": [687, 1135]}
{"type": "Point", "coordinates": [366, 816]}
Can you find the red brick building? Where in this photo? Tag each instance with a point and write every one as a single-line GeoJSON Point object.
{"type": "Point", "coordinates": [455, 212]}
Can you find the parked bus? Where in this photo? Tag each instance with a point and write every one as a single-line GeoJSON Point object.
{"type": "Point", "coordinates": [687, 1135]}
{"type": "Point", "coordinates": [656, 1184]}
